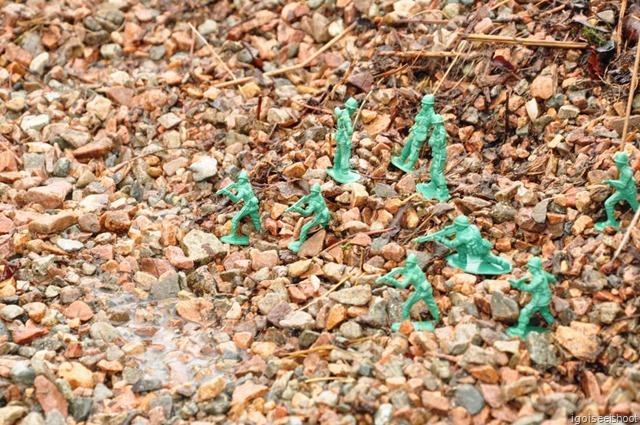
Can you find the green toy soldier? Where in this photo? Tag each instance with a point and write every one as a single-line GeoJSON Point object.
{"type": "Point", "coordinates": [250, 208]}
{"type": "Point", "coordinates": [437, 187]}
{"type": "Point", "coordinates": [539, 288]}
{"type": "Point", "coordinates": [341, 168]}
{"type": "Point", "coordinates": [418, 134]}
{"type": "Point", "coordinates": [473, 252]}
{"type": "Point", "coordinates": [315, 205]}
{"type": "Point", "coordinates": [625, 190]}
{"type": "Point", "coordinates": [413, 275]}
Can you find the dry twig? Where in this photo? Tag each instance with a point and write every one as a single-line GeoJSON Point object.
{"type": "Point", "coordinates": [215, 54]}
{"type": "Point", "coordinates": [483, 38]}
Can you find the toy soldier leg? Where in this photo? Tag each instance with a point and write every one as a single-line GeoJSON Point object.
{"type": "Point", "coordinates": [406, 150]}
{"type": "Point", "coordinates": [427, 297]}
{"type": "Point", "coordinates": [305, 229]}
{"type": "Point", "coordinates": [255, 218]}
{"type": "Point", "coordinates": [235, 221]}
{"type": "Point", "coordinates": [633, 202]}
{"type": "Point", "coordinates": [406, 308]}
{"type": "Point", "coordinates": [610, 205]}
{"type": "Point", "coordinates": [546, 315]}
{"type": "Point", "coordinates": [345, 157]}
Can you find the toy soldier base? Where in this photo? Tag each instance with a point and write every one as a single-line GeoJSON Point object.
{"type": "Point", "coordinates": [342, 176]}
{"type": "Point", "coordinates": [430, 191]}
{"type": "Point", "coordinates": [625, 190]}
{"type": "Point", "coordinates": [539, 288]}
{"type": "Point", "coordinates": [414, 276]}
{"type": "Point", "coordinates": [250, 208]}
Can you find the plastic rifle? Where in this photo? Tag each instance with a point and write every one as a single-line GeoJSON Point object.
{"type": "Point", "coordinates": [388, 278]}
{"type": "Point", "coordinates": [296, 206]}
{"type": "Point", "coordinates": [518, 282]}
{"type": "Point", "coordinates": [447, 231]}
{"type": "Point", "coordinates": [225, 190]}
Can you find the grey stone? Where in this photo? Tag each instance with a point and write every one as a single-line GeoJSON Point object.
{"type": "Point", "coordinates": [502, 212]}
{"type": "Point", "coordinates": [69, 245]}
{"type": "Point", "coordinates": [357, 295]}
{"type": "Point", "coordinates": [208, 27]}
{"type": "Point", "coordinates": [102, 331]}
{"type": "Point", "coordinates": [33, 418]}
{"type": "Point", "coordinates": [101, 392]}
{"type": "Point", "coordinates": [34, 122]}
{"type": "Point", "coordinates": [169, 120]}
{"type": "Point", "coordinates": [193, 244]}
{"type": "Point", "coordinates": [80, 408]}
{"type": "Point", "coordinates": [541, 350]}
{"type": "Point", "coordinates": [204, 168]}
{"type": "Point", "coordinates": [11, 312]}
{"type": "Point", "coordinates": [111, 51]}
{"type": "Point", "coordinates": [377, 316]}
{"type": "Point", "coordinates": [145, 385]}
{"type": "Point", "coordinates": [298, 320]}
{"type": "Point", "coordinates": [33, 161]}
{"type": "Point", "coordinates": [568, 112]}
{"type": "Point", "coordinates": [307, 338]}
{"type": "Point", "coordinates": [23, 374]}
{"type": "Point", "coordinates": [62, 167]}
{"type": "Point", "coordinates": [168, 286]}
{"type": "Point", "coordinates": [10, 414]}
{"type": "Point", "coordinates": [351, 330]}
{"type": "Point", "coordinates": [606, 312]}
{"type": "Point", "coordinates": [591, 280]}
{"type": "Point", "coordinates": [55, 417]}
{"type": "Point", "coordinates": [39, 63]}
{"type": "Point", "coordinates": [504, 308]}
{"type": "Point", "coordinates": [470, 398]}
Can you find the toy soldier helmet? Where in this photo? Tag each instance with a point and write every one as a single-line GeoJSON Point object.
{"type": "Point", "coordinates": [351, 103]}
{"type": "Point", "coordinates": [243, 176]}
{"type": "Point", "coordinates": [535, 263]}
{"type": "Point", "coordinates": [411, 259]}
{"type": "Point", "coordinates": [315, 188]}
{"type": "Point", "coordinates": [437, 119]}
{"type": "Point", "coordinates": [428, 100]}
{"type": "Point", "coordinates": [621, 158]}
{"type": "Point", "coordinates": [461, 221]}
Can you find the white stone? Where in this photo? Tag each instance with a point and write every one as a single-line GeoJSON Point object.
{"type": "Point", "coordinates": [204, 168]}
{"type": "Point", "coordinates": [69, 245]}
{"type": "Point", "coordinates": [34, 122]}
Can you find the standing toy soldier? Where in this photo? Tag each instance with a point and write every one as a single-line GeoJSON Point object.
{"type": "Point", "coordinates": [341, 168]}
{"type": "Point", "coordinates": [315, 205]}
{"type": "Point", "coordinates": [474, 253]}
{"type": "Point", "coordinates": [418, 134]}
{"type": "Point", "coordinates": [539, 287]}
{"type": "Point", "coordinates": [413, 275]}
{"type": "Point", "coordinates": [250, 208]}
{"type": "Point", "coordinates": [625, 190]}
{"type": "Point", "coordinates": [437, 187]}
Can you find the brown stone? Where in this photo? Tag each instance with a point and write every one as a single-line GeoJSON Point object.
{"type": "Point", "coordinates": [50, 196]}
{"type": "Point", "coordinates": [26, 334]}
{"type": "Point", "coordinates": [6, 224]}
{"type": "Point", "coordinates": [485, 373]}
{"type": "Point", "coordinates": [36, 311]}
{"type": "Point", "coordinates": [89, 223]}
{"type": "Point", "coordinates": [312, 246]}
{"type": "Point", "coordinates": [175, 256]}
{"type": "Point", "coordinates": [337, 315]}
{"type": "Point", "coordinates": [211, 389]}
{"type": "Point", "coordinates": [96, 149]}
{"type": "Point", "coordinates": [48, 224]}
{"type": "Point", "coordinates": [195, 309]}
{"type": "Point", "coordinates": [49, 397]}
{"type": "Point", "coordinates": [79, 310]}
{"type": "Point", "coordinates": [580, 339]}
{"type": "Point", "coordinates": [262, 259]}
{"type": "Point", "coordinates": [116, 221]}
{"type": "Point", "coordinates": [246, 392]}
{"type": "Point", "coordinates": [76, 374]}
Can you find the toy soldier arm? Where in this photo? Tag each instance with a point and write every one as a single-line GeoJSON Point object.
{"type": "Point", "coordinates": [389, 278]}
{"type": "Point", "coordinates": [519, 283]}
{"type": "Point", "coordinates": [551, 278]}
{"type": "Point", "coordinates": [235, 197]}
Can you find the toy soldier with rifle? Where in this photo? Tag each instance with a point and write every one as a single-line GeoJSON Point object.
{"type": "Point", "coordinates": [473, 251]}
{"type": "Point", "coordinates": [414, 276]}
{"type": "Point", "coordinates": [341, 171]}
{"type": "Point", "coordinates": [625, 190]}
{"type": "Point", "coordinates": [244, 192]}
{"type": "Point", "coordinates": [417, 135]}
{"type": "Point", "coordinates": [539, 288]}
{"type": "Point", "coordinates": [437, 187]}
{"type": "Point", "coordinates": [315, 205]}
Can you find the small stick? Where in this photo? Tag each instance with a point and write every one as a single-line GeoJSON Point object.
{"type": "Point", "coordinates": [355, 121]}
{"type": "Point", "coordinates": [551, 11]}
{"type": "Point", "coordinates": [311, 58]}
{"type": "Point", "coordinates": [632, 90]}
{"type": "Point", "coordinates": [215, 54]}
{"type": "Point", "coordinates": [627, 234]}
{"type": "Point", "coordinates": [483, 38]}
{"type": "Point", "coordinates": [420, 54]}
{"type": "Point", "coordinates": [453, 62]}
{"type": "Point", "coordinates": [144, 155]}
{"type": "Point", "coordinates": [336, 286]}
{"type": "Point", "coordinates": [618, 36]}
